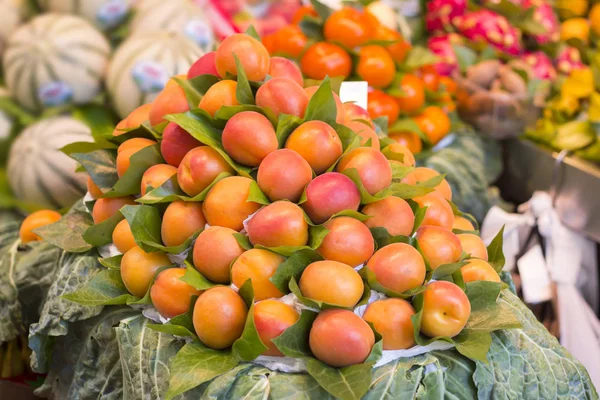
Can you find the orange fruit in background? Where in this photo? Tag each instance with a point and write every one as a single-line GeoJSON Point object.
{"type": "Point", "coordinates": [289, 41]}
{"type": "Point", "coordinates": [575, 28]}
{"type": "Point", "coordinates": [409, 139]}
{"type": "Point", "coordinates": [434, 123]}
{"type": "Point", "coordinates": [348, 26]}
{"type": "Point", "coordinates": [325, 59]}
{"type": "Point", "coordinates": [397, 50]}
{"type": "Point", "coordinates": [449, 84]}
{"type": "Point", "coordinates": [380, 104]}
{"type": "Point", "coordinates": [430, 77]}
{"type": "Point", "coordinates": [301, 12]}
{"type": "Point", "coordinates": [463, 224]}
{"type": "Point", "coordinates": [36, 220]}
{"type": "Point", "coordinates": [376, 66]}
{"type": "Point", "coordinates": [413, 94]}
{"type": "Point", "coordinates": [252, 54]}
{"type": "Point", "coordinates": [594, 17]}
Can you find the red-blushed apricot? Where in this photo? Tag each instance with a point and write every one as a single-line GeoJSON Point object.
{"type": "Point", "coordinates": [226, 203]}
{"type": "Point", "coordinates": [220, 94]}
{"type": "Point", "coordinates": [391, 213]}
{"type": "Point", "coordinates": [282, 96]}
{"type": "Point", "coordinates": [249, 137]}
{"type": "Point", "coordinates": [94, 190]}
{"type": "Point", "coordinates": [107, 207]}
{"type": "Point", "coordinates": [205, 65]}
{"type": "Point", "coordinates": [180, 221]}
{"type": "Point", "coordinates": [422, 174]}
{"type": "Point", "coordinates": [391, 318]}
{"type": "Point", "coordinates": [372, 167]}
{"type": "Point", "coordinates": [214, 251]}
{"type": "Point", "coordinates": [332, 282]}
{"type": "Point", "coordinates": [219, 317]}
{"type": "Point", "coordinates": [138, 269]}
{"type": "Point", "coordinates": [354, 112]}
{"type": "Point", "coordinates": [36, 220]}
{"type": "Point", "coordinates": [329, 194]}
{"type": "Point", "coordinates": [462, 223]}
{"type": "Point", "coordinates": [473, 245]}
{"type": "Point", "coordinates": [281, 67]}
{"type": "Point", "coordinates": [365, 132]}
{"type": "Point", "coordinates": [258, 265]}
{"type": "Point", "coordinates": [439, 245]}
{"type": "Point", "coordinates": [318, 143]}
{"type": "Point", "coordinates": [278, 224]}
{"type": "Point", "coordinates": [479, 270]}
{"type": "Point", "coordinates": [271, 318]}
{"type": "Point", "coordinates": [155, 176]}
{"type": "Point", "coordinates": [252, 54]}
{"type": "Point", "coordinates": [438, 213]}
{"type": "Point", "coordinates": [122, 237]}
{"type": "Point", "coordinates": [199, 168]}
{"type": "Point", "coordinates": [408, 158]}
{"type": "Point", "coordinates": [349, 241]}
{"type": "Point", "coordinates": [127, 149]}
{"type": "Point", "coordinates": [340, 112]}
{"type": "Point", "coordinates": [340, 338]}
{"type": "Point", "coordinates": [283, 174]}
{"type": "Point", "coordinates": [171, 100]}
{"type": "Point", "coordinates": [398, 267]}
{"type": "Point", "coordinates": [170, 295]}
{"type": "Point", "coordinates": [446, 309]}
{"type": "Point", "coordinates": [176, 143]}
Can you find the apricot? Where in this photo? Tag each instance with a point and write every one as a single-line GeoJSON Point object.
{"type": "Point", "coordinates": [127, 149]}
{"type": "Point", "coordinates": [282, 96]}
{"type": "Point", "coordinates": [372, 167]}
{"type": "Point", "coordinates": [398, 267]}
{"type": "Point", "coordinates": [438, 213]}
{"type": "Point", "coordinates": [139, 115]}
{"type": "Point", "coordinates": [473, 245]}
{"type": "Point", "coordinates": [283, 174]}
{"type": "Point", "coordinates": [258, 265]}
{"type": "Point", "coordinates": [422, 174]}
{"type": "Point", "coordinates": [122, 237]}
{"type": "Point", "coordinates": [180, 221]}
{"type": "Point", "coordinates": [220, 94]}
{"type": "Point", "coordinates": [199, 168]}
{"type": "Point", "coordinates": [332, 282]}
{"type": "Point", "coordinates": [340, 338]}
{"type": "Point", "coordinates": [36, 220]}
{"type": "Point", "coordinates": [479, 270]}
{"type": "Point", "coordinates": [214, 251]}
{"type": "Point", "coordinates": [339, 106]}
{"type": "Point", "coordinates": [155, 176]}
{"type": "Point", "coordinates": [252, 54]}
{"type": "Point", "coordinates": [219, 317]}
{"type": "Point", "coordinates": [329, 194]}
{"type": "Point", "coordinates": [121, 127]}
{"type": "Point", "coordinates": [226, 203]}
{"type": "Point", "coordinates": [249, 137]}
{"type": "Point", "coordinates": [392, 213]}
{"type": "Point", "coordinates": [408, 139]}
{"type": "Point", "coordinates": [408, 157]}
{"type": "Point", "coordinates": [365, 132]}
{"type": "Point", "coordinates": [271, 318]}
{"type": "Point", "coordinates": [93, 189]}
{"type": "Point", "coordinates": [171, 100]}
{"type": "Point", "coordinates": [353, 112]}
{"type": "Point", "coordinates": [138, 269]}
{"type": "Point", "coordinates": [462, 223]}
{"type": "Point", "coordinates": [281, 67]}
{"type": "Point", "coordinates": [446, 309]}
{"type": "Point", "coordinates": [170, 295]}
{"type": "Point", "coordinates": [439, 245]}
{"type": "Point", "coordinates": [316, 142]}
{"type": "Point", "coordinates": [205, 65]}
{"type": "Point", "coordinates": [349, 241]}
{"type": "Point", "coordinates": [278, 224]}
{"type": "Point", "coordinates": [391, 318]}
{"type": "Point", "coordinates": [107, 207]}
{"type": "Point", "coordinates": [176, 143]}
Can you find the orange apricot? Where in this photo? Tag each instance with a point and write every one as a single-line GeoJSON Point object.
{"type": "Point", "coordinates": [252, 55]}
{"type": "Point", "coordinates": [317, 143]}
{"type": "Point", "coordinates": [281, 67]}
{"type": "Point", "coordinates": [439, 245]}
{"type": "Point", "coordinates": [122, 237]}
{"type": "Point", "coordinates": [398, 267]}
{"type": "Point", "coordinates": [226, 203]}
{"type": "Point", "coordinates": [394, 149]}
{"type": "Point", "coordinates": [36, 220]}
{"type": "Point", "coordinates": [462, 223]}
{"type": "Point", "coordinates": [155, 176]}
{"type": "Point", "coordinates": [473, 245]}
{"type": "Point", "coordinates": [353, 112]}
{"type": "Point", "coordinates": [392, 213]}
{"type": "Point", "coordinates": [329, 194]}
{"type": "Point", "coordinates": [408, 139]}
{"type": "Point", "coordinates": [347, 26]}
{"type": "Point", "coordinates": [138, 269]}
{"type": "Point", "coordinates": [332, 282]}
{"type": "Point", "coordinates": [423, 174]}
{"type": "Point", "coordinates": [372, 167]}
{"type": "Point", "coordinates": [94, 190]}
{"type": "Point", "coordinates": [271, 318]}
{"type": "Point", "coordinates": [214, 251]}
{"type": "Point", "coordinates": [180, 221]}
{"type": "Point", "coordinates": [446, 309]}
{"type": "Point", "coordinates": [199, 168]}
{"type": "Point", "coordinates": [107, 207]}
{"type": "Point", "coordinates": [127, 149]}
{"type": "Point", "coordinates": [438, 213]}
{"type": "Point", "coordinates": [282, 96]}
{"type": "Point", "coordinates": [365, 132]}
{"type": "Point", "coordinates": [278, 224]}
{"type": "Point", "coordinates": [349, 241]}
{"type": "Point", "coordinates": [283, 174]}
{"type": "Point", "coordinates": [171, 100]}
{"type": "Point", "coordinates": [170, 295]}
{"type": "Point", "coordinates": [479, 270]}
{"type": "Point", "coordinates": [391, 318]}
{"type": "Point", "coordinates": [249, 137]}
{"type": "Point", "coordinates": [222, 93]}
{"type": "Point", "coordinates": [258, 265]}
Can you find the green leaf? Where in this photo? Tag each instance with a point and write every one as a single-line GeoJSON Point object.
{"type": "Point", "coordinates": [487, 314]}
{"type": "Point", "coordinates": [201, 84]}
{"type": "Point", "coordinates": [321, 9]}
{"type": "Point", "coordinates": [243, 241]}
{"type": "Point", "coordinates": [447, 269]}
{"type": "Point", "coordinates": [418, 57]}
{"type": "Point", "coordinates": [406, 191]}
{"type": "Point", "coordinates": [352, 214]}
{"type": "Point", "coordinates": [106, 288]}
{"type": "Point", "coordinates": [321, 106]}
{"type": "Point", "coordinates": [101, 166]}
{"type": "Point", "coordinates": [286, 124]}
{"type": "Point", "coordinates": [225, 113]}
{"type": "Point", "coordinates": [145, 131]}
{"type": "Point", "coordinates": [87, 147]}
{"type": "Point", "coordinates": [67, 233]}
{"type": "Point", "coordinates": [293, 267]}
{"type": "Point", "coordinates": [195, 364]}
{"type": "Point", "coordinates": [382, 237]}
{"type": "Point", "coordinates": [248, 346]}
{"type": "Point", "coordinates": [419, 218]}
{"type": "Point", "coordinates": [187, 244]}
{"type": "Point", "coordinates": [256, 195]}
{"type": "Point", "coordinates": [465, 57]}
{"type": "Point", "coordinates": [145, 225]}
{"type": "Point", "coordinates": [312, 27]}
{"type": "Point", "coordinates": [495, 253]}
{"type": "Point", "coordinates": [348, 383]}
{"type": "Point", "coordinates": [243, 92]}
{"type": "Point", "coordinates": [111, 262]}
{"type": "Point", "coordinates": [293, 342]}
{"type": "Point", "coordinates": [100, 234]}
{"type": "Point", "coordinates": [195, 279]}
{"type": "Point", "coordinates": [171, 329]}
{"type": "Point", "coordinates": [191, 94]}
{"type": "Point", "coordinates": [365, 196]}
{"type": "Point", "coordinates": [130, 182]}
{"type": "Point", "coordinates": [251, 31]}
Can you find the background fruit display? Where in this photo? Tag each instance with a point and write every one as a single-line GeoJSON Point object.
{"type": "Point", "coordinates": [187, 215]}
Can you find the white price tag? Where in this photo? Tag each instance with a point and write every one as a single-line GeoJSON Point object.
{"type": "Point", "coordinates": [535, 280]}
{"type": "Point", "coordinates": [355, 92]}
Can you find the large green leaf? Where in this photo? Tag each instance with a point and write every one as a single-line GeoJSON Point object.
{"type": "Point", "coordinates": [67, 233]}
{"type": "Point", "coordinates": [101, 166]}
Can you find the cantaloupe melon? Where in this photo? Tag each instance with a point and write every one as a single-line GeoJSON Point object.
{"type": "Point", "coordinates": [55, 59]}
{"type": "Point", "coordinates": [12, 13]}
{"type": "Point", "coordinates": [39, 172]}
{"type": "Point", "coordinates": [6, 128]}
{"type": "Point", "coordinates": [184, 16]}
{"type": "Point", "coordinates": [105, 14]}
{"type": "Point", "coordinates": [143, 64]}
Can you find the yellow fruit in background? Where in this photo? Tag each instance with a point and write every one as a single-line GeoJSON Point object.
{"type": "Point", "coordinates": [575, 28]}
{"type": "Point", "coordinates": [571, 8]}
{"type": "Point", "coordinates": [595, 18]}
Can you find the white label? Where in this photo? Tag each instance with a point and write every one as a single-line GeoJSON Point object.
{"type": "Point", "coordinates": [535, 280]}
{"type": "Point", "coordinates": [150, 76]}
{"type": "Point", "coordinates": [112, 13]}
{"type": "Point", "coordinates": [355, 92]}
{"type": "Point", "coordinates": [200, 32]}
{"type": "Point", "coordinates": [55, 93]}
